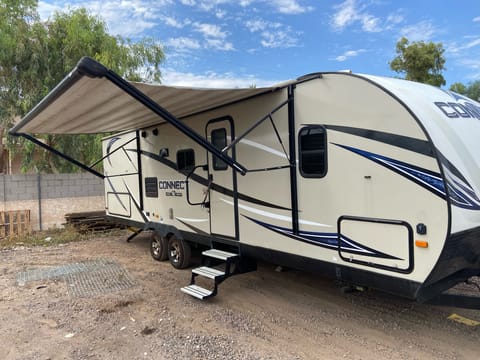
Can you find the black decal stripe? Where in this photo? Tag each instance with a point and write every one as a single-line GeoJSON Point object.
{"type": "Point", "coordinates": [197, 230]}
{"type": "Point", "coordinates": [445, 162]}
{"type": "Point", "coordinates": [131, 161]}
{"type": "Point", "coordinates": [423, 147]}
{"type": "Point", "coordinates": [204, 181]}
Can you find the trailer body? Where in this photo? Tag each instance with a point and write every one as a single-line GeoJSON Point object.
{"type": "Point", "coordinates": [370, 180]}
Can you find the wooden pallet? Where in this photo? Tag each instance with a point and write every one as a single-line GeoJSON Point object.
{"type": "Point", "coordinates": [15, 222]}
{"type": "Point", "coordinates": [90, 221]}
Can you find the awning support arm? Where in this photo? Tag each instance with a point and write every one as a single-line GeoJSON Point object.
{"type": "Point", "coordinates": [62, 155]}
{"type": "Point", "coordinates": [251, 128]}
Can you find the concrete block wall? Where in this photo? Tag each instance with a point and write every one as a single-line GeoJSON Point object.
{"type": "Point", "coordinates": [50, 196]}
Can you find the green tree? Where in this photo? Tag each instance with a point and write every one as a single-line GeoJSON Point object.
{"type": "Point", "coordinates": [459, 88]}
{"type": "Point", "coordinates": [472, 90]}
{"type": "Point", "coordinates": [420, 61]}
{"type": "Point", "coordinates": [36, 55]}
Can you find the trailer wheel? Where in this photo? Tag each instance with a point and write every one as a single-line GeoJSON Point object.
{"type": "Point", "coordinates": [179, 253]}
{"type": "Point", "coordinates": [158, 247]}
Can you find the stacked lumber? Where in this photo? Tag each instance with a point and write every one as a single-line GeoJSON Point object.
{"type": "Point", "coordinates": [89, 221]}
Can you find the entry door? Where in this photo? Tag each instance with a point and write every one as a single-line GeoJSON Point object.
{"type": "Point", "coordinates": [223, 199]}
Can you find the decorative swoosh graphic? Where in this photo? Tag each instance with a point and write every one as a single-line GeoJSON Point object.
{"type": "Point", "coordinates": [194, 228]}
{"type": "Point", "coordinates": [428, 179]}
{"type": "Point", "coordinates": [109, 147]}
{"type": "Point", "coordinates": [460, 192]}
{"type": "Point", "coordinates": [275, 216]}
{"type": "Point", "coordinates": [326, 240]}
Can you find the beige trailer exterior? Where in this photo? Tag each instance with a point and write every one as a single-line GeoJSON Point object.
{"type": "Point", "coordinates": [370, 180]}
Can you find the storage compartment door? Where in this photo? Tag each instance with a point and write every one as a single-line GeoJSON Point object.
{"type": "Point", "coordinates": [376, 243]}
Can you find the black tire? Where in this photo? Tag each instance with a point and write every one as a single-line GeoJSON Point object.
{"type": "Point", "coordinates": [179, 253]}
{"type": "Point", "coordinates": [158, 247]}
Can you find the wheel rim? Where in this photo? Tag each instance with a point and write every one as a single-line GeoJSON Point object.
{"type": "Point", "coordinates": [175, 252]}
{"type": "Point", "coordinates": [156, 247]}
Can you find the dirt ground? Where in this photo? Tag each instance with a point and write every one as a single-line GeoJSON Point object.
{"type": "Point", "coordinates": [260, 315]}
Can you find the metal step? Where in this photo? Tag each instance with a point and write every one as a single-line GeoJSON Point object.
{"type": "Point", "coordinates": [208, 272]}
{"type": "Point", "coordinates": [196, 291]}
{"type": "Point", "coordinates": [219, 254]}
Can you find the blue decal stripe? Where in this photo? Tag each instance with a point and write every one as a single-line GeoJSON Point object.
{"type": "Point", "coordinates": [430, 180]}
{"type": "Point", "coordinates": [326, 240]}
{"type": "Point", "coordinates": [461, 194]}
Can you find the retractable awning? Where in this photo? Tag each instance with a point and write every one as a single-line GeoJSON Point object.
{"type": "Point", "coordinates": [93, 99]}
{"type": "Point", "coordinates": [88, 101]}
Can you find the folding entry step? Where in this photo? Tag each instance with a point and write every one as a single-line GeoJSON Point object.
{"type": "Point", "coordinates": [217, 265]}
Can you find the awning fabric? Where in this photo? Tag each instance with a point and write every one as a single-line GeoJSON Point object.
{"type": "Point", "coordinates": [83, 104]}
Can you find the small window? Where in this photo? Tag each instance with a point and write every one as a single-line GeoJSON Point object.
{"type": "Point", "coordinates": [219, 140]}
{"type": "Point", "coordinates": [151, 187]}
{"type": "Point", "coordinates": [185, 159]}
{"type": "Point", "coordinates": [313, 151]}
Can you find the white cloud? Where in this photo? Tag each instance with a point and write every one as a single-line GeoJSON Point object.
{"type": "Point", "coordinates": [210, 30]}
{"type": "Point", "coordinates": [289, 6]}
{"type": "Point", "coordinates": [349, 13]}
{"type": "Point", "coordinates": [472, 43]}
{"type": "Point", "coordinates": [245, 3]}
{"type": "Point", "coordinates": [125, 18]}
{"type": "Point", "coordinates": [273, 34]}
{"type": "Point", "coordinates": [349, 54]}
{"type": "Point", "coordinates": [183, 44]}
{"type": "Point", "coordinates": [214, 37]}
{"type": "Point", "coordinates": [393, 20]}
{"type": "Point", "coordinates": [46, 10]}
{"type": "Point", "coordinates": [220, 14]}
{"type": "Point", "coordinates": [213, 80]}
{"type": "Point", "coordinates": [370, 23]}
{"type": "Point", "coordinates": [260, 25]}
{"type": "Point", "coordinates": [170, 21]}
{"type": "Point", "coordinates": [207, 5]}
{"type": "Point", "coordinates": [278, 39]}
{"type": "Point", "coordinates": [423, 30]}
{"type": "Point", "coordinates": [455, 48]}
{"type": "Point", "coordinates": [188, 2]}
{"type": "Point", "coordinates": [476, 19]}
{"type": "Point", "coordinates": [346, 15]}
{"type": "Point", "coordinates": [219, 44]}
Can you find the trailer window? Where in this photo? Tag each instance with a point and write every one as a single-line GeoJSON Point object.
{"type": "Point", "coordinates": [313, 151]}
{"type": "Point", "coordinates": [219, 140]}
{"type": "Point", "coordinates": [185, 159]}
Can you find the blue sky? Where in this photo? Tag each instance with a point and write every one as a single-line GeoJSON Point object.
{"type": "Point", "coordinates": [237, 43]}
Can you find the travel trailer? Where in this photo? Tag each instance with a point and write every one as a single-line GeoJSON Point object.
{"type": "Point", "coordinates": [369, 180]}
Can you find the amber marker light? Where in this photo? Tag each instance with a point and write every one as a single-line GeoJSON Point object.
{"type": "Point", "coordinates": [421, 243]}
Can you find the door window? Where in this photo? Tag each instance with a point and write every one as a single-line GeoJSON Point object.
{"type": "Point", "coordinates": [219, 140]}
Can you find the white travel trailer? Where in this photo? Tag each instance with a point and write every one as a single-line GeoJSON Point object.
{"type": "Point", "coordinates": [370, 180]}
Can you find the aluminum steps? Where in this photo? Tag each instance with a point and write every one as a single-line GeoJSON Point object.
{"type": "Point", "coordinates": [197, 291]}
{"type": "Point", "coordinates": [230, 262]}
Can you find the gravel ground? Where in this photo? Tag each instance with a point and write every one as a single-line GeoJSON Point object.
{"type": "Point", "coordinates": [259, 315]}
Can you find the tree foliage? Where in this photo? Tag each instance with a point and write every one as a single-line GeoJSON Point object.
{"type": "Point", "coordinates": [37, 55]}
{"type": "Point", "coordinates": [420, 61]}
{"type": "Point", "coordinates": [472, 90]}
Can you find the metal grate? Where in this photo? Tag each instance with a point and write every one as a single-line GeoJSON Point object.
{"type": "Point", "coordinates": [84, 279]}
